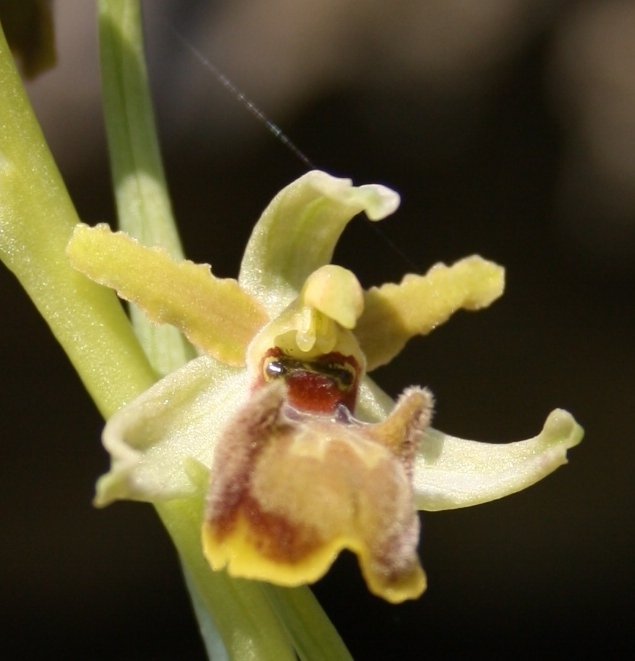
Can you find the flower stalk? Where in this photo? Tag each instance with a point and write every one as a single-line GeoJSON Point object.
{"type": "Point", "coordinates": [141, 194]}
{"type": "Point", "coordinates": [37, 218]}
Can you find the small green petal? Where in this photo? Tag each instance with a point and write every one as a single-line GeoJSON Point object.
{"type": "Point", "coordinates": [154, 441]}
{"type": "Point", "coordinates": [213, 313]}
{"type": "Point", "coordinates": [451, 472]}
{"type": "Point", "coordinates": [393, 313]}
{"type": "Point", "coordinates": [297, 233]}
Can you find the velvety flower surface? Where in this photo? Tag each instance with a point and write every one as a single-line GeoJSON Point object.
{"type": "Point", "coordinates": [306, 455]}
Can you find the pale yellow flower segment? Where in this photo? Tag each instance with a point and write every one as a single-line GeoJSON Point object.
{"type": "Point", "coordinates": [306, 455]}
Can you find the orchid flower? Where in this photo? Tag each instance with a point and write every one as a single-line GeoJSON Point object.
{"type": "Point", "coordinates": [276, 424]}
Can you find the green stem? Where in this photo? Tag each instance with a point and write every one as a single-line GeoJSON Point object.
{"type": "Point", "coordinates": [240, 611]}
{"type": "Point", "coordinates": [314, 636]}
{"type": "Point", "coordinates": [143, 203]}
{"type": "Point", "coordinates": [36, 220]}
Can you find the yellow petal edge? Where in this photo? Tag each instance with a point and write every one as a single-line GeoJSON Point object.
{"type": "Point", "coordinates": [394, 313]}
{"type": "Point", "coordinates": [215, 314]}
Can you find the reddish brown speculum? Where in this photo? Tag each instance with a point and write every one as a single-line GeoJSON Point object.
{"type": "Point", "coordinates": [319, 385]}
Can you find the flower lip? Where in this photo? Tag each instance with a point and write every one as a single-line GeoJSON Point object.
{"type": "Point", "coordinates": [298, 488]}
{"type": "Point", "coordinates": [320, 385]}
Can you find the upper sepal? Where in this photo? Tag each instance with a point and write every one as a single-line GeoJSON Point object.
{"type": "Point", "coordinates": [297, 233]}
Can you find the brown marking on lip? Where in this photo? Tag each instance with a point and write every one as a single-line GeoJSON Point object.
{"type": "Point", "coordinates": [272, 535]}
{"type": "Point", "coordinates": [295, 490]}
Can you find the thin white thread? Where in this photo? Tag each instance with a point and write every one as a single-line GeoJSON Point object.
{"type": "Point", "coordinates": [273, 128]}
{"type": "Point", "coordinates": [242, 98]}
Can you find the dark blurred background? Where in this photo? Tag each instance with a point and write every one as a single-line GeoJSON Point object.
{"type": "Point", "coordinates": [508, 127]}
